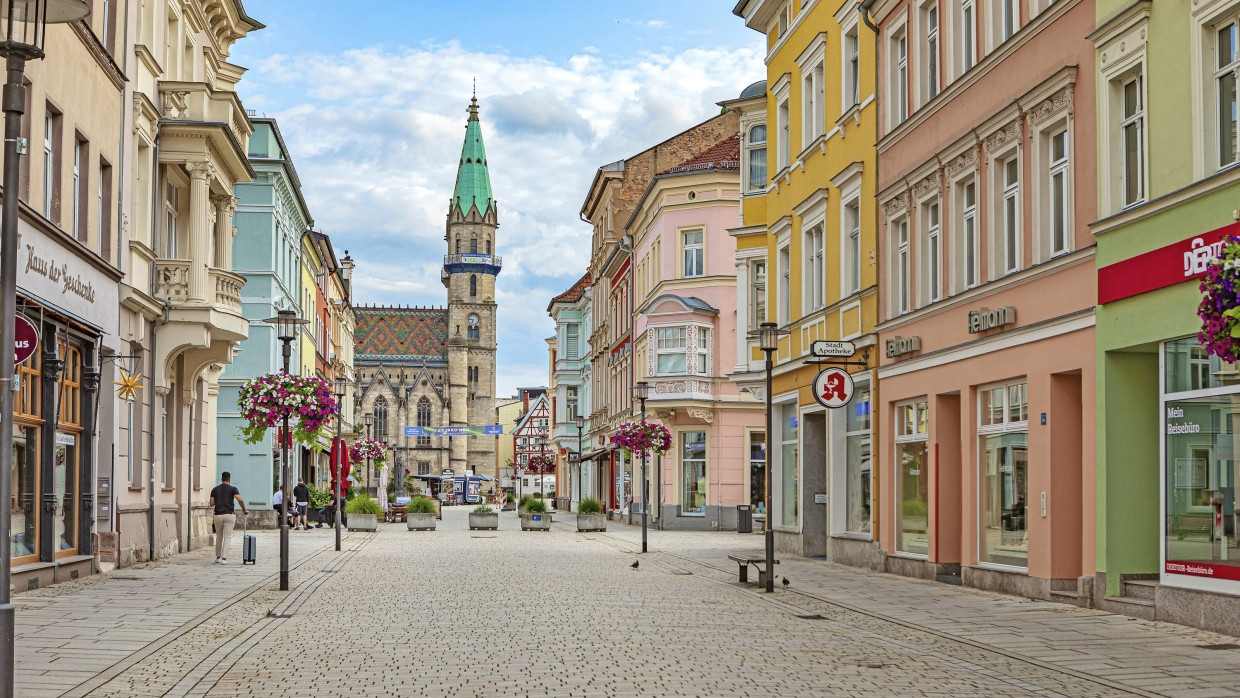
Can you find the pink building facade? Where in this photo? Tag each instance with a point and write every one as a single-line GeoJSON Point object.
{"type": "Point", "coordinates": [986, 403]}
{"type": "Point", "coordinates": [684, 289]}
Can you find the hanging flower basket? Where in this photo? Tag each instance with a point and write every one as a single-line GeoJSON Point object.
{"type": "Point", "coordinates": [307, 401]}
{"type": "Point", "coordinates": [542, 464]}
{"type": "Point", "coordinates": [362, 449]}
{"type": "Point", "coordinates": [643, 438]}
{"type": "Point", "coordinates": [1220, 304]}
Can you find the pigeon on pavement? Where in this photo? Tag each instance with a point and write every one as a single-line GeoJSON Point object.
{"type": "Point", "coordinates": [786, 582]}
{"type": "Point", "coordinates": [635, 564]}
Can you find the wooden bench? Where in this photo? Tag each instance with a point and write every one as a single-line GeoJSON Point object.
{"type": "Point", "coordinates": [744, 561]}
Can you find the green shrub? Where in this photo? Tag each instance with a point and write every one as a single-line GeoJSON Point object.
{"type": "Point", "coordinates": [420, 505]}
{"type": "Point", "coordinates": [525, 501]}
{"type": "Point", "coordinates": [363, 504]}
{"type": "Point", "coordinates": [536, 506]}
{"type": "Point", "coordinates": [318, 498]}
{"type": "Point", "coordinates": [914, 508]}
{"type": "Point", "coordinates": [510, 498]}
{"type": "Point", "coordinates": [483, 509]}
{"type": "Point", "coordinates": [536, 495]}
{"type": "Point", "coordinates": [590, 505]}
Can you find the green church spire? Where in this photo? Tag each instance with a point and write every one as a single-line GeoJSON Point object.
{"type": "Point", "coordinates": [473, 182]}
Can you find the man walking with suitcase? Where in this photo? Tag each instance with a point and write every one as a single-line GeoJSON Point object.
{"type": "Point", "coordinates": [222, 498]}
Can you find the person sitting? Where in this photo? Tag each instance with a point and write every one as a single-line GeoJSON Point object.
{"type": "Point", "coordinates": [327, 515]}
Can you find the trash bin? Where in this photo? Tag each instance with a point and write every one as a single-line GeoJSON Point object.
{"type": "Point", "coordinates": [744, 518]}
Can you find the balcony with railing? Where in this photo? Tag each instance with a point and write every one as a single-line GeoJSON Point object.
{"type": "Point", "coordinates": [473, 263]}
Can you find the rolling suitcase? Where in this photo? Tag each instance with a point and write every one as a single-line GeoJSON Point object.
{"type": "Point", "coordinates": [249, 545]}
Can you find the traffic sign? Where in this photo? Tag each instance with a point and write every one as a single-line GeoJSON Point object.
{"type": "Point", "coordinates": [25, 339]}
{"type": "Point", "coordinates": [833, 387]}
{"type": "Point", "coordinates": [825, 348]}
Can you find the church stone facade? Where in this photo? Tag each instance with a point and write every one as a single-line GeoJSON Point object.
{"type": "Point", "coordinates": [436, 366]}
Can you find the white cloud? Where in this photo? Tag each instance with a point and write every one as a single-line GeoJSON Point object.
{"type": "Point", "coordinates": [376, 135]}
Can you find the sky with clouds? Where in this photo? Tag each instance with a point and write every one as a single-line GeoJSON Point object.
{"type": "Point", "coordinates": [371, 98]}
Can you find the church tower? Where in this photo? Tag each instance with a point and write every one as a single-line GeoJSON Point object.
{"type": "Point", "coordinates": [469, 272]}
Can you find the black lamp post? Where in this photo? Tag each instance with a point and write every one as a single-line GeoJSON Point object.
{"type": "Point", "coordinates": [768, 334]}
{"type": "Point", "coordinates": [338, 472]}
{"type": "Point", "coordinates": [286, 322]}
{"type": "Point", "coordinates": [22, 27]}
{"type": "Point", "coordinates": [581, 485]}
{"type": "Point", "coordinates": [641, 392]}
{"type": "Point", "coordinates": [370, 424]}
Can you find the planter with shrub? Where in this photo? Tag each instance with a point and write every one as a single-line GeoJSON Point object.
{"type": "Point", "coordinates": [483, 518]}
{"type": "Point", "coordinates": [536, 517]}
{"type": "Point", "coordinates": [523, 504]}
{"type": "Point", "coordinates": [363, 513]}
{"type": "Point", "coordinates": [590, 515]}
{"type": "Point", "coordinates": [420, 514]}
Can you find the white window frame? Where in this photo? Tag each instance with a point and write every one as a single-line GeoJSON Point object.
{"type": "Point", "coordinates": [929, 20]}
{"type": "Point", "coordinates": [1125, 47]}
{"type": "Point", "coordinates": [851, 227]}
{"type": "Point", "coordinates": [1006, 19]}
{"type": "Point", "coordinates": [1058, 182]}
{"type": "Point", "coordinates": [671, 341]}
{"type": "Point", "coordinates": [757, 293]}
{"type": "Point", "coordinates": [967, 252]}
{"type": "Point", "coordinates": [1134, 120]}
{"type": "Point", "coordinates": [170, 247]}
{"type": "Point", "coordinates": [815, 273]}
{"type": "Point", "coordinates": [682, 490]}
{"type": "Point", "coordinates": [49, 162]}
{"type": "Point", "coordinates": [695, 265]}
{"type": "Point", "coordinates": [784, 271]}
{"type": "Point", "coordinates": [897, 87]}
{"type": "Point", "coordinates": [1006, 241]}
{"type": "Point", "coordinates": [920, 433]}
{"type": "Point", "coordinates": [78, 147]}
{"type": "Point", "coordinates": [852, 67]}
{"type": "Point", "coordinates": [837, 425]}
{"type": "Point", "coordinates": [1007, 425]}
{"type": "Point", "coordinates": [812, 64]}
{"type": "Point", "coordinates": [931, 273]}
{"type": "Point", "coordinates": [903, 265]}
{"type": "Point", "coordinates": [966, 28]}
{"type": "Point", "coordinates": [751, 147]}
{"type": "Point", "coordinates": [784, 119]}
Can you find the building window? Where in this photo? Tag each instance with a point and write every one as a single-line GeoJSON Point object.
{"type": "Point", "coordinates": [912, 478]}
{"type": "Point", "coordinates": [903, 267]}
{"type": "Point", "coordinates": [473, 245]}
{"type": "Point", "coordinates": [670, 345]}
{"type": "Point", "coordinates": [424, 419]}
{"type": "Point", "coordinates": [813, 106]}
{"type": "Point", "coordinates": [1226, 64]}
{"type": "Point", "coordinates": [930, 24]}
{"type": "Point", "coordinates": [1009, 213]}
{"type": "Point", "coordinates": [1009, 18]}
{"type": "Point", "coordinates": [933, 253]}
{"type": "Point", "coordinates": [702, 351]}
{"type": "Point", "coordinates": [381, 419]}
{"type": "Point", "coordinates": [785, 135]}
{"type": "Point", "coordinates": [1132, 130]}
{"type": "Point", "coordinates": [968, 252]}
{"type": "Point", "coordinates": [80, 193]}
{"type": "Point", "coordinates": [899, 83]}
{"type": "Point", "coordinates": [756, 150]}
{"type": "Point", "coordinates": [473, 285]}
{"type": "Point", "coordinates": [789, 483]}
{"type": "Point", "coordinates": [858, 457]}
{"type": "Point", "coordinates": [1060, 195]}
{"type": "Point", "coordinates": [785, 285]}
{"type": "Point", "coordinates": [488, 247]}
{"type": "Point", "coordinates": [572, 340]}
{"type": "Point", "coordinates": [968, 36]}
{"type": "Point", "coordinates": [757, 471]}
{"type": "Point", "coordinates": [424, 468]}
{"type": "Point", "coordinates": [51, 178]}
{"type": "Point", "coordinates": [693, 472]}
{"type": "Point", "coordinates": [852, 61]}
{"type": "Point", "coordinates": [27, 446]}
{"type": "Point", "coordinates": [757, 294]}
{"type": "Point", "coordinates": [105, 210]}
{"type": "Point", "coordinates": [815, 269]}
{"type": "Point", "coordinates": [693, 253]}
{"type": "Point", "coordinates": [570, 403]}
{"type": "Point", "coordinates": [1003, 432]}
{"type": "Point", "coordinates": [172, 219]}
{"type": "Point", "coordinates": [852, 247]}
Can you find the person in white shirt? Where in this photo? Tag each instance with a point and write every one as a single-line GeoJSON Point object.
{"type": "Point", "coordinates": [276, 500]}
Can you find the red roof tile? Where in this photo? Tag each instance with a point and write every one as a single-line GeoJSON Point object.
{"type": "Point", "coordinates": [724, 155]}
{"type": "Point", "coordinates": [573, 294]}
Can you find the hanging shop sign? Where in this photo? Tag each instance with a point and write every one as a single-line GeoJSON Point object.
{"type": "Point", "coordinates": [487, 430]}
{"type": "Point", "coordinates": [25, 339]}
{"type": "Point", "coordinates": [987, 319]}
{"type": "Point", "coordinates": [899, 346]}
{"type": "Point", "coordinates": [833, 387]}
{"type": "Point", "coordinates": [824, 348]}
{"type": "Point", "coordinates": [1166, 266]}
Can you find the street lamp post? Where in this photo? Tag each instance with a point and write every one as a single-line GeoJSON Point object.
{"type": "Point", "coordinates": [641, 392]}
{"type": "Point", "coordinates": [768, 334]}
{"type": "Point", "coordinates": [338, 472]}
{"type": "Point", "coordinates": [370, 423]}
{"type": "Point", "coordinates": [580, 422]}
{"type": "Point", "coordinates": [286, 322]}
{"type": "Point", "coordinates": [22, 27]}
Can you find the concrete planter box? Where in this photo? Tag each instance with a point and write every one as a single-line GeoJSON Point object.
{"type": "Point", "coordinates": [520, 511]}
{"type": "Point", "coordinates": [542, 524]}
{"type": "Point", "coordinates": [420, 522]}
{"type": "Point", "coordinates": [591, 522]}
{"type": "Point", "coordinates": [363, 522]}
{"type": "Point", "coordinates": [484, 522]}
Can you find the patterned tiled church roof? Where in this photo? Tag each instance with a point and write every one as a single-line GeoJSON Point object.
{"type": "Point", "coordinates": [409, 334]}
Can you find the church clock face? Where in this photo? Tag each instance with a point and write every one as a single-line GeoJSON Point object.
{"type": "Point", "coordinates": [473, 320]}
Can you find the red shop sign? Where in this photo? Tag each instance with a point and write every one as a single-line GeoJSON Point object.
{"type": "Point", "coordinates": [1203, 569]}
{"type": "Point", "coordinates": [1166, 266]}
{"type": "Point", "coordinates": [25, 339]}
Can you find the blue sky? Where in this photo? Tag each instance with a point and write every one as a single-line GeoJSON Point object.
{"type": "Point", "coordinates": [371, 95]}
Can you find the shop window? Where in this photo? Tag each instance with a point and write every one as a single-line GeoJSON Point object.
{"type": "Point", "coordinates": [693, 472]}
{"type": "Point", "coordinates": [757, 471]}
{"type": "Point", "coordinates": [912, 478]}
{"type": "Point", "coordinates": [24, 506]}
{"type": "Point", "coordinates": [789, 484]}
{"type": "Point", "coordinates": [1003, 436]}
{"type": "Point", "coordinates": [66, 454]}
{"type": "Point", "coordinates": [858, 458]}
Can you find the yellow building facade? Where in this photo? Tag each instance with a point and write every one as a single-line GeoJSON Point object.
{"type": "Point", "coordinates": [807, 260]}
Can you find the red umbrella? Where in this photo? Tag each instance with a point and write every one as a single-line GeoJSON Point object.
{"type": "Point", "coordinates": [340, 464]}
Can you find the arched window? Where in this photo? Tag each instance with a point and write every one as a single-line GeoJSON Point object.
{"type": "Point", "coordinates": [458, 245]}
{"type": "Point", "coordinates": [381, 419]}
{"type": "Point", "coordinates": [488, 247]}
{"type": "Point", "coordinates": [473, 245]}
{"type": "Point", "coordinates": [424, 419]}
{"type": "Point", "coordinates": [755, 147]}
{"type": "Point", "coordinates": [473, 285]}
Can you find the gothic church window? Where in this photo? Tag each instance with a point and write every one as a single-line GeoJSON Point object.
{"type": "Point", "coordinates": [424, 419]}
{"type": "Point", "coordinates": [381, 419]}
{"type": "Point", "coordinates": [473, 284]}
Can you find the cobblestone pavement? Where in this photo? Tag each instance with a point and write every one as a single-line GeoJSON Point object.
{"type": "Point", "coordinates": [468, 613]}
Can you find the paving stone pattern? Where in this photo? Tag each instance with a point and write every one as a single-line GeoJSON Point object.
{"type": "Point", "coordinates": [455, 612]}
